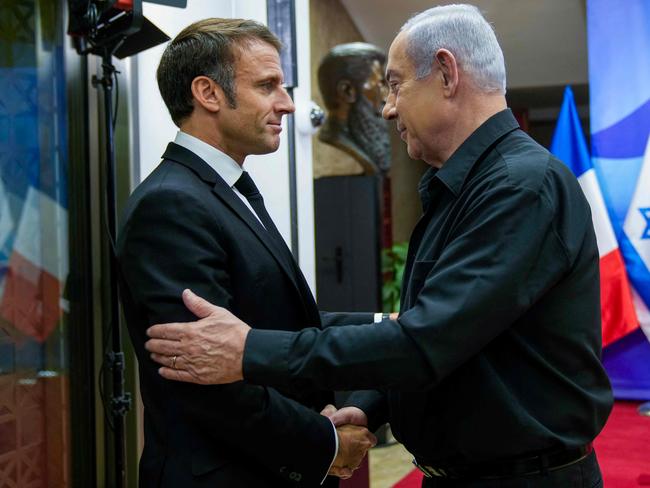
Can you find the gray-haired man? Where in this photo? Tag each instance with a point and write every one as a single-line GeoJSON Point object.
{"type": "Point", "coordinates": [491, 375]}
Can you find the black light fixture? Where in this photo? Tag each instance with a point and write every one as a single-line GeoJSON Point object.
{"type": "Point", "coordinates": [119, 24]}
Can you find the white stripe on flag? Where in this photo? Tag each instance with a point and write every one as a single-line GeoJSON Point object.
{"type": "Point", "coordinates": [604, 233]}
{"type": "Point", "coordinates": [42, 235]}
{"type": "Point", "coordinates": [636, 224]}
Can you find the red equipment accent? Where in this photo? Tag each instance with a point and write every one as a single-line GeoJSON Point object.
{"type": "Point", "coordinates": [126, 5]}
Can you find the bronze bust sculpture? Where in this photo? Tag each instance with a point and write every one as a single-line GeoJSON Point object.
{"type": "Point", "coordinates": [352, 83]}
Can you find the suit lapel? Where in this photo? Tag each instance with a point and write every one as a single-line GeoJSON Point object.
{"type": "Point", "coordinates": [274, 242]}
{"type": "Point", "coordinates": [270, 238]}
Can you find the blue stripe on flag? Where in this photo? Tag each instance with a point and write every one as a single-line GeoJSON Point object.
{"type": "Point", "coordinates": [627, 138]}
{"type": "Point", "coordinates": [568, 142]}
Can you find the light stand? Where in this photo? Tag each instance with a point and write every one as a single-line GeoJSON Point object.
{"type": "Point", "coordinates": [107, 29]}
{"type": "Point", "coordinates": [120, 400]}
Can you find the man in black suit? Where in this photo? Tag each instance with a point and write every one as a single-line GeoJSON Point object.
{"type": "Point", "coordinates": [491, 375]}
{"type": "Point", "coordinates": [198, 220]}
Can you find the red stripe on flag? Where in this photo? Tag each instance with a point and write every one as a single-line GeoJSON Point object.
{"type": "Point", "coordinates": [31, 298]}
{"type": "Point", "coordinates": [617, 309]}
{"type": "Point", "coordinates": [411, 480]}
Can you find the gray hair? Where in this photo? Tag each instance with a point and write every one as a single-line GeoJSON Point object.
{"type": "Point", "coordinates": [463, 31]}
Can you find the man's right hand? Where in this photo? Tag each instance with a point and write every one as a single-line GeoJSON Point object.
{"type": "Point", "coordinates": [346, 415]}
{"type": "Point", "coordinates": [354, 442]}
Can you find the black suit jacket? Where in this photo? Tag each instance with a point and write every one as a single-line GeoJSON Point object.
{"type": "Point", "coordinates": [184, 227]}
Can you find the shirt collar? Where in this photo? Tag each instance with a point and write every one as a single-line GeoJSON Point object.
{"type": "Point", "coordinates": [455, 170]}
{"type": "Point", "coordinates": [224, 165]}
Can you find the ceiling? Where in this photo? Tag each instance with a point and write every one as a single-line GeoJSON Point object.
{"type": "Point", "coordinates": [544, 41]}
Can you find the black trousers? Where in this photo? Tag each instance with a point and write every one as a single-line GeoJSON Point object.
{"type": "Point", "coordinates": [583, 474]}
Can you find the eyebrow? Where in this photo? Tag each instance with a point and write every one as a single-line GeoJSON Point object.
{"type": "Point", "coordinates": [275, 77]}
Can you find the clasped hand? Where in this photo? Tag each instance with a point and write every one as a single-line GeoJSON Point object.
{"type": "Point", "coordinates": [354, 439]}
{"type": "Point", "coordinates": [210, 351]}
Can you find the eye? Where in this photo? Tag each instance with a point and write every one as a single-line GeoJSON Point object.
{"type": "Point", "coordinates": [394, 87]}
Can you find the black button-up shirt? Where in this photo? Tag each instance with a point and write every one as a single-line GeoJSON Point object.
{"type": "Point", "coordinates": [497, 349]}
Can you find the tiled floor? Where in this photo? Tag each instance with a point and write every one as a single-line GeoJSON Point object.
{"type": "Point", "coordinates": [388, 465]}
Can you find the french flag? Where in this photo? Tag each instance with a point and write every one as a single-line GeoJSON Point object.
{"type": "Point", "coordinates": [36, 267]}
{"type": "Point", "coordinates": [617, 306]}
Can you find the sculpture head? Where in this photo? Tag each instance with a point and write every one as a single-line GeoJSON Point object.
{"type": "Point", "coordinates": [352, 83]}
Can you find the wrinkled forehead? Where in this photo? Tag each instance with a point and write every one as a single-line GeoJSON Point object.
{"type": "Point", "coordinates": [398, 59]}
{"type": "Point", "coordinates": [256, 55]}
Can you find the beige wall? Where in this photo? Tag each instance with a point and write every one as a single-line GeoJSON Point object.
{"type": "Point", "coordinates": [332, 25]}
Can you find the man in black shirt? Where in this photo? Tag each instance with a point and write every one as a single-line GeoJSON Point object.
{"type": "Point", "coordinates": [491, 375]}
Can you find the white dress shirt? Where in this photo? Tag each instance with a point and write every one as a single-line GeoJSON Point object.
{"type": "Point", "coordinates": [224, 165]}
{"type": "Point", "coordinates": [228, 169]}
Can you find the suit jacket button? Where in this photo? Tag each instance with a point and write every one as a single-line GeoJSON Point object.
{"type": "Point", "coordinates": [295, 476]}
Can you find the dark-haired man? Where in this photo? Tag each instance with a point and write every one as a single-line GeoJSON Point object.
{"type": "Point", "coordinates": [198, 220]}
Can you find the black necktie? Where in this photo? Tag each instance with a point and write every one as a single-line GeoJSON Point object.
{"type": "Point", "coordinates": [247, 187]}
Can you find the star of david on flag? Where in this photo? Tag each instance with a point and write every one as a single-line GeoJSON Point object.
{"type": "Point", "coordinates": [646, 215]}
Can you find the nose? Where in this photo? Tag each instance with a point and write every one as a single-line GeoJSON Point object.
{"type": "Point", "coordinates": [285, 104]}
{"type": "Point", "coordinates": [389, 111]}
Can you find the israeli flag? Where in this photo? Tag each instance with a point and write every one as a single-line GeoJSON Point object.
{"type": "Point", "coordinates": [619, 84]}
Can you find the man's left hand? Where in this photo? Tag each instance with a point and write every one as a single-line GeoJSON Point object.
{"type": "Point", "coordinates": [209, 351]}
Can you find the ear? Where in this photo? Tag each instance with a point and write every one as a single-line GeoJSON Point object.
{"type": "Point", "coordinates": [448, 71]}
{"type": "Point", "coordinates": [207, 94]}
{"type": "Point", "coordinates": [345, 91]}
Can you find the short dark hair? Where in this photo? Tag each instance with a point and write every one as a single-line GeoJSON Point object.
{"type": "Point", "coordinates": [351, 61]}
{"type": "Point", "coordinates": [205, 48]}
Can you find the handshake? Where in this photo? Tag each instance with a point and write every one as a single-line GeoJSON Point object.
{"type": "Point", "coordinates": [354, 439]}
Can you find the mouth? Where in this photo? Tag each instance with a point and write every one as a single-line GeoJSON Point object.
{"type": "Point", "coordinates": [275, 126]}
{"type": "Point", "coordinates": [402, 132]}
